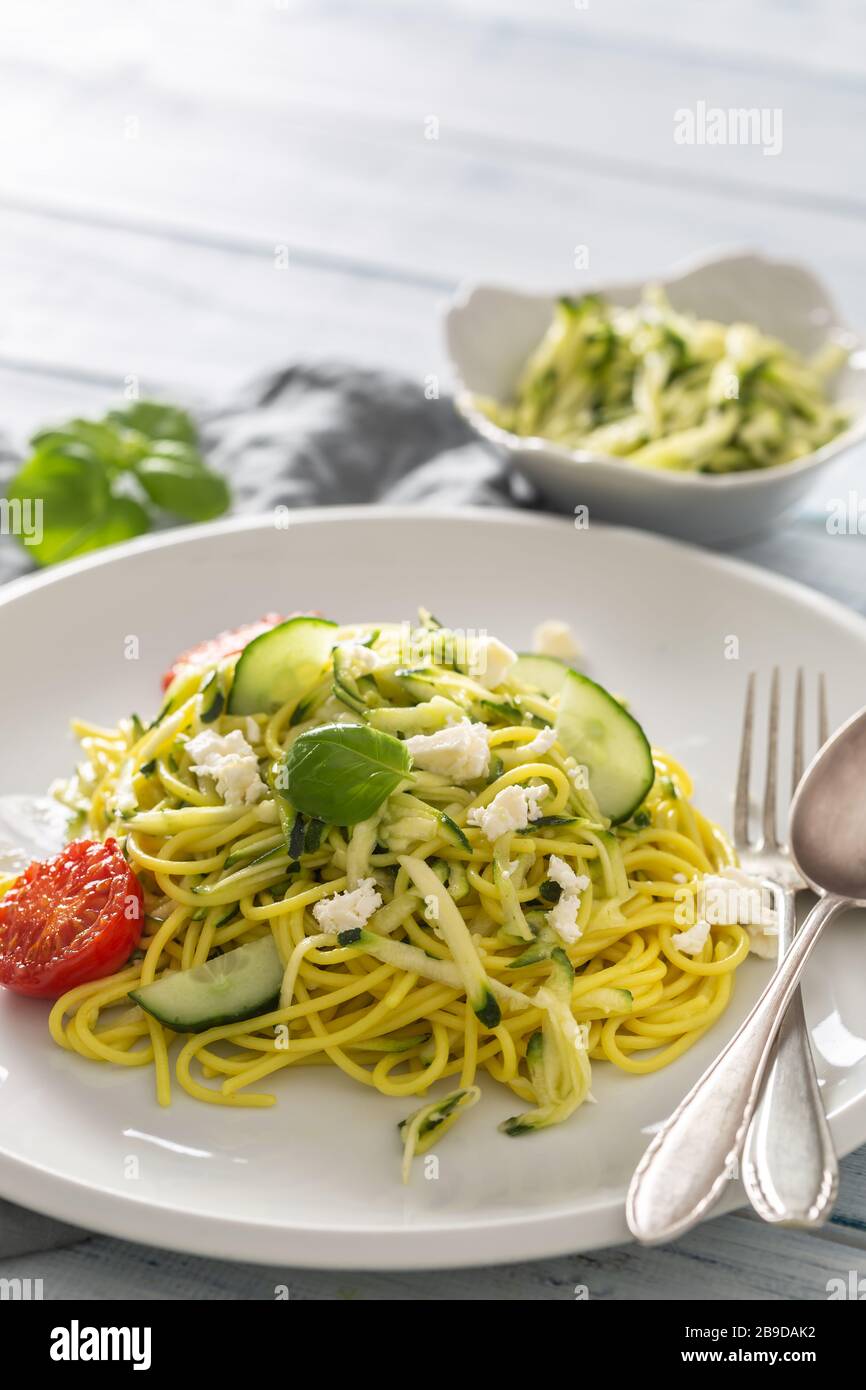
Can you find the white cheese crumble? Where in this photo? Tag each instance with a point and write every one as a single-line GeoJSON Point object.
{"type": "Point", "coordinates": [679, 878]}
{"type": "Point", "coordinates": [734, 897]}
{"type": "Point", "coordinates": [493, 661]}
{"type": "Point", "coordinates": [555, 638]}
{"type": "Point", "coordinates": [511, 809]}
{"type": "Point", "coordinates": [562, 874]}
{"type": "Point", "coordinates": [344, 911]}
{"type": "Point", "coordinates": [461, 751]}
{"type": "Point", "coordinates": [231, 762]}
{"type": "Point", "coordinates": [563, 917]}
{"type": "Point", "coordinates": [360, 660]}
{"type": "Point", "coordinates": [253, 732]}
{"type": "Point", "coordinates": [763, 941]}
{"type": "Point", "coordinates": [541, 744]}
{"type": "Point", "coordinates": [691, 942]}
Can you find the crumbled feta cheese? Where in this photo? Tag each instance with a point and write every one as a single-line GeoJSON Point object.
{"type": "Point", "coordinates": [460, 752]}
{"type": "Point", "coordinates": [691, 942]}
{"type": "Point", "coordinates": [679, 878]}
{"type": "Point", "coordinates": [511, 809]}
{"type": "Point", "coordinates": [360, 660]}
{"type": "Point", "coordinates": [541, 744]}
{"type": "Point", "coordinates": [763, 941]}
{"type": "Point", "coordinates": [344, 911]}
{"type": "Point", "coordinates": [493, 661]}
{"type": "Point", "coordinates": [555, 638]}
{"type": "Point", "coordinates": [735, 897]}
{"type": "Point", "coordinates": [253, 732]}
{"type": "Point", "coordinates": [563, 917]}
{"type": "Point", "coordinates": [561, 873]}
{"type": "Point", "coordinates": [231, 762]}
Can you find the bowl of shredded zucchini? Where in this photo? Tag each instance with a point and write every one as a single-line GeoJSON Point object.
{"type": "Point", "coordinates": [701, 404]}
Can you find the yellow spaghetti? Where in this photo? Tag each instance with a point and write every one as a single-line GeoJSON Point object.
{"type": "Point", "coordinates": [566, 920]}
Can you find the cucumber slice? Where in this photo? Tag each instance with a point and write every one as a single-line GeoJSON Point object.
{"type": "Point", "coordinates": [595, 729]}
{"type": "Point", "coordinates": [281, 665]}
{"type": "Point", "coordinates": [241, 984]}
{"type": "Point", "coordinates": [544, 673]}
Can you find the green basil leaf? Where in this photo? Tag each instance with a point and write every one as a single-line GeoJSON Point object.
{"type": "Point", "coordinates": [341, 773]}
{"type": "Point", "coordinates": [122, 520]}
{"type": "Point", "coordinates": [175, 451]}
{"type": "Point", "coordinates": [193, 493]}
{"type": "Point", "coordinates": [62, 492]}
{"type": "Point", "coordinates": [156, 421]}
{"type": "Point", "coordinates": [74, 490]}
{"type": "Point", "coordinates": [115, 448]}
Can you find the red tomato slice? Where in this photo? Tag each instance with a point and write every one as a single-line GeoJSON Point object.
{"type": "Point", "coordinates": [226, 643]}
{"type": "Point", "coordinates": [70, 919]}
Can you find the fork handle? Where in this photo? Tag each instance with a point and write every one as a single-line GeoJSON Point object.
{"type": "Point", "coordinates": [789, 1169]}
{"type": "Point", "coordinates": [684, 1170]}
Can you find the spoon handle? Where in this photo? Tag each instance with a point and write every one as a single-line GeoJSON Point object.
{"type": "Point", "coordinates": [789, 1166]}
{"type": "Point", "coordinates": [684, 1170]}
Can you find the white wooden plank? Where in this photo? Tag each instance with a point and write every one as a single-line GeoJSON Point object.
{"type": "Point", "coordinates": [815, 37]}
{"type": "Point", "coordinates": [849, 1218]}
{"type": "Point", "coordinates": [733, 1258]}
{"type": "Point", "coordinates": [196, 315]}
{"type": "Point", "coordinates": [85, 119]}
{"type": "Point", "coordinates": [370, 195]}
{"type": "Point", "coordinates": [368, 201]}
{"type": "Point", "coordinates": [30, 399]}
{"type": "Point", "coordinates": [190, 319]}
{"type": "Point", "coordinates": [803, 549]}
{"type": "Point", "coordinates": [407, 61]}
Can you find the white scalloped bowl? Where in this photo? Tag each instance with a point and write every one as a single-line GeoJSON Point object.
{"type": "Point", "coordinates": [491, 330]}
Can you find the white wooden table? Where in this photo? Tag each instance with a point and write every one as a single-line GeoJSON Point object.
{"type": "Point", "coordinates": [190, 193]}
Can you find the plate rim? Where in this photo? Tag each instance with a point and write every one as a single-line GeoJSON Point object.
{"type": "Point", "coordinates": [426, 1245]}
{"type": "Point", "coordinates": [34, 581]}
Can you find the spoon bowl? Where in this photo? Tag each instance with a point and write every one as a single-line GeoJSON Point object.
{"type": "Point", "coordinates": [828, 815]}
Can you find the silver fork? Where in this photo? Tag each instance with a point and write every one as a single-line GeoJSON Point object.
{"type": "Point", "coordinates": [789, 1166]}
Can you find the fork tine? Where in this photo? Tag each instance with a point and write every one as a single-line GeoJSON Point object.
{"type": "Point", "coordinates": [823, 721]}
{"type": "Point", "coordinates": [741, 801]}
{"type": "Point", "coordinates": [769, 818]}
{"type": "Point", "coordinates": [797, 761]}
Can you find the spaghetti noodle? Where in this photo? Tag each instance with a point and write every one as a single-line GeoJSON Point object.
{"type": "Point", "coordinates": [389, 1003]}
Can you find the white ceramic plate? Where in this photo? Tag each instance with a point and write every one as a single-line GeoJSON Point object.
{"type": "Point", "coordinates": [490, 331]}
{"type": "Point", "coordinates": [315, 1180]}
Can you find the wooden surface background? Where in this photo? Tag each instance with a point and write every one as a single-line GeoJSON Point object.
{"type": "Point", "coordinates": [192, 192]}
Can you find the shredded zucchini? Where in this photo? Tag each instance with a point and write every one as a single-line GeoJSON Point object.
{"type": "Point", "coordinates": [671, 391]}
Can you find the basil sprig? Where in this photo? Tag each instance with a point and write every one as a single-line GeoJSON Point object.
{"type": "Point", "coordinates": [101, 481]}
{"type": "Point", "coordinates": [341, 773]}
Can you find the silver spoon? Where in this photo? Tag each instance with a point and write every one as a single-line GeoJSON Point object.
{"type": "Point", "coordinates": [684, 1170]}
